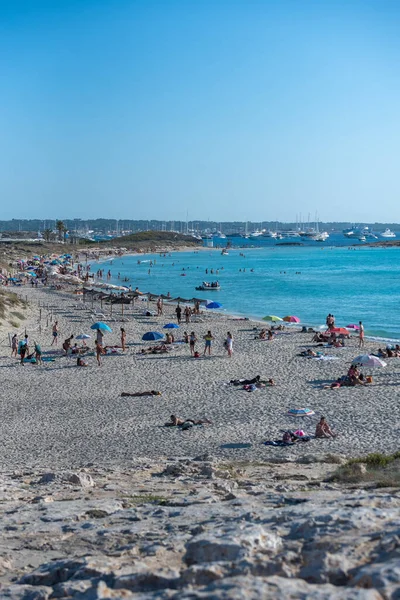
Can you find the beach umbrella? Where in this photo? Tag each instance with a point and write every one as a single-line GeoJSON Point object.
{"type": "Point", "coordinates": [31, 274]}
{"type": "Point", "coordinates": [353, 326]}
{"type": "Point", "coordinates": [291, 319]}
{"type": "Point", "coordinates": [82, 336]}
{"type": "Point", "coordinates": [152, 336]}
{"type": "Point", "coordinates": [300, 412]}
{"type": "Point", "coordinates": [171, 326]}
{"type": "Point", "coordinates": [102, 326]}
{"type": "Point", "coordinates": [272, 318]}
{"type": "Point", "coordinates": [213, 305]}
{"type": "Point", "coordinates": [339, 330]}
{"type": "Point", "coordinates": [367, 360]}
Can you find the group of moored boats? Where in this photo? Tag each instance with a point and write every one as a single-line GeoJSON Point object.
{"type": "Point", "coordinates": [365, 233]}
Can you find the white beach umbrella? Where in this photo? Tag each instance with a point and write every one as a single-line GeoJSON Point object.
{"type": "Point", "coordinates": [367, 360]}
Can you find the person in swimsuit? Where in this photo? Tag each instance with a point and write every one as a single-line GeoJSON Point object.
{"type": "Point", "coordinates": [123, 339]}
{"type": "Point", "coordinates": [14, 345]}
{"type": "Point", "coordinates": [55, 333]}
{"type": "Point", "coordinates": [323, 430]}
{"type": "Point", "coordinates": [229, 344]}
{"type": "Point", "coordinates": [361, 335]}
{"type": "Point", "coordinates": [208, 339]}
{"type": "Point", "coordinates": [38, 353]}
{"type": "Point", "coordinates": [99, 352]}
{"type": "Point", "coordinates": [176, 421]}
{"type": "Point", "coordinates": [192, 342]}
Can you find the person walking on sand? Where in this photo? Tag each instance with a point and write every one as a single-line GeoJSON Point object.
{"type": "Point", "coordinates": [361, 335]}
{"type": "Point", "coordinates": [229, 344]}
{"type": "Point", "coordinates": [99, 352]}
{"type": "Point", "coordinates": [123, 339]}
{"type": "Point", "coordinates": [178, 311]}
{"type": "Point", "coordinates": [159, 307]}
{"type": "Point", "coordinates": [99, 337]}
{"type": "Point", "coordinates": [208, 339]}
{"type": "Point", "coordinates": [192, 342]}
{"type": "Point", "coordinates": [55, 333]}
{"type": "Point", "coordinates": [14, 345]}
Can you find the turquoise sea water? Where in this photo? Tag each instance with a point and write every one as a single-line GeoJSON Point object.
{"type": "Point", "coordinates": [309, 282]}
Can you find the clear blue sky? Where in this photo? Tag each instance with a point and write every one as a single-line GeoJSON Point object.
{"type": "Point", "coordinates": [239, 110]}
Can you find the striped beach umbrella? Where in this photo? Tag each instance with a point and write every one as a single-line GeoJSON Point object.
{"type": "Point", "coordinates": [300, 412]}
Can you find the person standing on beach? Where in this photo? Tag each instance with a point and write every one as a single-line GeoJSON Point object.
{"type": "Point", "coordinates": [188, 313]}
{"type": "Point", "coordinates": [55, 333]}
{"type": "Point", "coordinates": [22, 351]}
{"type": "Point", "coordinates": [208, 339]}
{"type": "Point", "coordinates": [99, 352]}
{"type": "Point", "coordinates": [99, 337]}
{"type": "Point", "coordinates": [159, 307]}
{"type": "Point", "coordinates": [192, 342]}
{"type": "Point", "coordinates": [361, 335]}
{"type": "Point", "coordinates": [229, 344]}
{"type": "Point", "coordinates": [14, 345]}
{"type": "Point", "coordinates": [38, 353]}
{"type": "Point", "coordinates": [123, 339]}
{"type": "Point", "coordinates": [178, 311]}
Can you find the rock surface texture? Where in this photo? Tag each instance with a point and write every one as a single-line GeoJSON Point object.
{"type": "Point", "coordinates": [186, 529]}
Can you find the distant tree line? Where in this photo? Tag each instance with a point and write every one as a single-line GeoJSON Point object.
{"type": "Point", "coordinates": [56, 229]}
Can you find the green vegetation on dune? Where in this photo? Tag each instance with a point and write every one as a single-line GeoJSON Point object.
{"type": "Point", "coordinates": [152, 237]}
{"type": "Point", "coordinates": [8, 302]}
{"type": "Point", "coordinates": [380, 470]}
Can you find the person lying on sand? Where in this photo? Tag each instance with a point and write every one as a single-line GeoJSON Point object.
{"type": "Point", "coordinates": [138, 394]}
{"type": "Point", "coordinates": [323, 430]}
{"type": "Point", "coordinates": [160, 349]}
{"type": "Point", "coordinates": [80, 362]}
{"type": "Point", "coordinates": [177, 422]}
{"type": "Point", "coordinates": [310, 352]}
{"type": "Point", "coordinates": [256, 381]}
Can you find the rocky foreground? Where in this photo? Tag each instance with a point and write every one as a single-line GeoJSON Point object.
{"type": "Point", "coordinates": [198, 529]}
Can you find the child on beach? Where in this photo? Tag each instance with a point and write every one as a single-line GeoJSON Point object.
{"type": "Point", "coordinates": [208, 339]}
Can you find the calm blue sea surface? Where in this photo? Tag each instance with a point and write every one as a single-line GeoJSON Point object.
{"type": "Point", "coordinates": [310, 281]}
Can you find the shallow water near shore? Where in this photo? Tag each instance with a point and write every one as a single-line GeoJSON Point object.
{"type": "Point", "coordinates": [354, 284]}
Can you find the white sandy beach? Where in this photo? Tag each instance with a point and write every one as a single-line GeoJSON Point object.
{"type": "Point", "coordinates": [58, 415]}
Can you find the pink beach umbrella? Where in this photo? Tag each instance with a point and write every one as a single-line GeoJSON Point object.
{"type": "Point", "coordinates": [291, 319]}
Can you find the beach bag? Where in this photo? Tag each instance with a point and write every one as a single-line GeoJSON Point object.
{"type": "Point", "coordinates": [369, 379]}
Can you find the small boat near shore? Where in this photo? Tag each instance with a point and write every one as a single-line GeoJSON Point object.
{"type": "Point", "coordinates": [206, 286]}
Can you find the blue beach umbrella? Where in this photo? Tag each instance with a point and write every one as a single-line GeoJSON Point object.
{"type": "Point", "coordinates": [102, 326]}
{"type": "Point", "coordinates": [152, 336]}
{"type": "Point", "coordinates": [213, 305]}
{"type": "Point", "coordinates": [171, 326]}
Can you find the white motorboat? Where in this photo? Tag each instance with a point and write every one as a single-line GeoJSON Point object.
{"type": "Point", "coordinates": [388, 234]}
{"type": "Point", "coordinates": [256, 233]}
{"type": "Point", "coordinates": [206, 286]}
